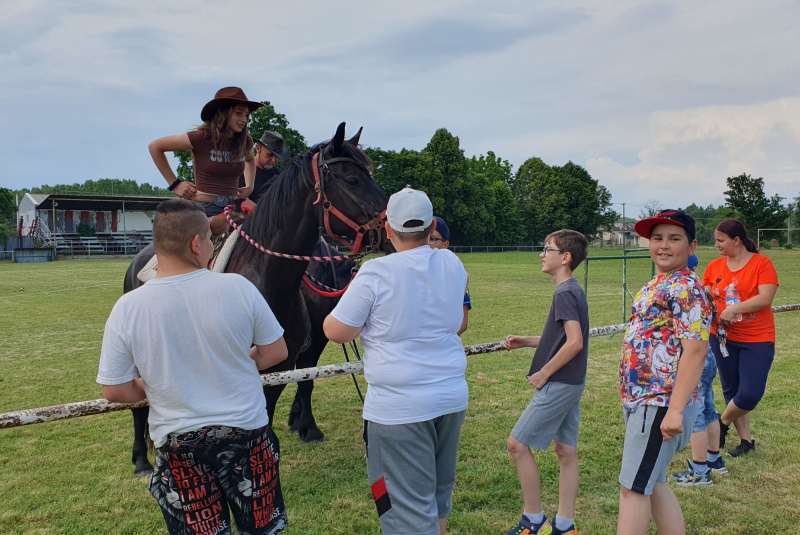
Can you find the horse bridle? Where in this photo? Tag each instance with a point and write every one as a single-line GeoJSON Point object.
{"type": "Point", "coordinates": [377, 218]}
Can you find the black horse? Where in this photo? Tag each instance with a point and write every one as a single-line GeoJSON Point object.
{"type": "Point", "coordinates": [336, 174]}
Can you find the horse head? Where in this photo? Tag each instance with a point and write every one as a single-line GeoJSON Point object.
{"type": "Point", "coordinates": [353, 205]}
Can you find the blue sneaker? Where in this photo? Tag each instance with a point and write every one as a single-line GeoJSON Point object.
{"type": "Point", "coordinates": [691, 478]}
{"type": "Point", "coordinates": [718, 466]}
{"type": "Point", "coordinates": [571, 530]}
{"type": "Point", "coordinates": [527, 528]}
{"type": "Point", "coordinates": [681, 476]}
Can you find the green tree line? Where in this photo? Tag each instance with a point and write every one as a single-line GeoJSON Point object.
{"type": "Point", "coordinates": [482, 198]}
{"type": "Point", "coordinates": [746, 201]}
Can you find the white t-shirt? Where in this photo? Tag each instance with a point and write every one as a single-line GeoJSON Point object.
{"type": "Point", "coordinates": [411, 307]}
{"type": "Point", "coordinates": [189, 336]}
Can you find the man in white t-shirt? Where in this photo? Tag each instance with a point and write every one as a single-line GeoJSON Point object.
{"type": "Point", "coordinates": [407, 308]}
{"type": "Point", "coordinates": [197, 364]}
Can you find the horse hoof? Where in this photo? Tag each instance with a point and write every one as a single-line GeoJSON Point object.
{"type": "Point", "coordinates": [144, 471]}
{"type": "Point", "coordinates": [312, 436]}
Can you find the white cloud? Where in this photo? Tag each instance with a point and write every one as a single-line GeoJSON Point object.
{"type": "Point", "coordinates": [689, 154]}
{"type": "Point", "coordinates": [604, 83]}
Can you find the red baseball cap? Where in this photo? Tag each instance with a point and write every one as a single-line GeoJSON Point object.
{"type": "Point", "coordinates": [666, 217]}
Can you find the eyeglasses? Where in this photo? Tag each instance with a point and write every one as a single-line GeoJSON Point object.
{"type": "Point", "coordinates": [432, 239]}
{"type": "Point", "coordinates": [548, 249]}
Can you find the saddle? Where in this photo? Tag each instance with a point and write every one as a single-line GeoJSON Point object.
{"type": "Point", "coordinates": [223, 246]}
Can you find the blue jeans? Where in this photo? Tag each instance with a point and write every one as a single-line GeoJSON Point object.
{"type": "Point", "coordinates": [705, 392]}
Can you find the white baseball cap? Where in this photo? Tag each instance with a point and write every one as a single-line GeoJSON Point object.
{"type": "Point", "coordinates": [409, 205]}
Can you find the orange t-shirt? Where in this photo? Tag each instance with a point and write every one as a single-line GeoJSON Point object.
{"type": "Point", "coordinates": [214, 172]}
{"type": "Point", "coordinates": [755, 326]}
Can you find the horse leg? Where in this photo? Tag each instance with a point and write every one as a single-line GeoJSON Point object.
{"type": "Point", "coordinates": [301, 417]}
{"type": "Point", "coordinates": [305, 425]}
{"type": "Point", "coordinates": [142, 466]}
{"type": "Point", "coordinates": [272, 394]}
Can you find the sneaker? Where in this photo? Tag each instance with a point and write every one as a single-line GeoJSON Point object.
{"type": "Point", "coordinates": [718, 466]}
{"type": "Point", "coordinates": [743, 449]}
{"type": "Point", "coordinates": [527, 528]}
{"type": "Point", "coordinates": [723, 432]}
{"type": "Point", "coordinates": [572, 530]}
{"type": "Point", "coordinates": [696, 480]}
{"type": "Point", "coordinates": [686, 474]}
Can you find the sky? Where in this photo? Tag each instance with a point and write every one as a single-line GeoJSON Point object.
{"type": "Point", "coordinates": [657, 100]}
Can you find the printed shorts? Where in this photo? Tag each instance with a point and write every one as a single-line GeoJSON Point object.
{"type": "Point", "coordinates": [200, 474]}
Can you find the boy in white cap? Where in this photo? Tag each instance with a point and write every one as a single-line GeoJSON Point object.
{"type": "Point", "coordinates": [408, 308]}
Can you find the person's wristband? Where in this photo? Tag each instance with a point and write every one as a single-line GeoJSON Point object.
{"type": "Point", "coordinates": [175, 184]}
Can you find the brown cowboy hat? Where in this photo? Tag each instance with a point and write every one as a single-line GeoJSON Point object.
{"type": "Point", "coordinates": [274, 142]}
{"type": "Point", "coordinates": [227, 95]}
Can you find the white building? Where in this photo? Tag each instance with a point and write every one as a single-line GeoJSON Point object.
{"type": "Point", "coordinates": [104, 213]}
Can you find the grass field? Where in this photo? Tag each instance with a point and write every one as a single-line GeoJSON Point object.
{"type": "Point", "coordinates": [75, 476]}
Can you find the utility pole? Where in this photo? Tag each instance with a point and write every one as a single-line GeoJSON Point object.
{"type": "Point", "coordinates": [624, 228]}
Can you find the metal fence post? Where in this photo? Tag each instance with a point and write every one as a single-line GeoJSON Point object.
{"type": "Point", "coordinates": [586, 277]}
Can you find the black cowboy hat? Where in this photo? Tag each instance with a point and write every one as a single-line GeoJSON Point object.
{"type": "Point", "coordinates": [227, 95]}
{"type": "Point", "coordinates": [274, 142]}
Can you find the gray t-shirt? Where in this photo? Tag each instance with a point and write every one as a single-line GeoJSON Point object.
{"type": "Point", "coordinates": [569, 304]}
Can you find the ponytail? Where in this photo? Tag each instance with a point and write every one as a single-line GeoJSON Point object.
{"type": "Point", "coordinates": [734, 229]}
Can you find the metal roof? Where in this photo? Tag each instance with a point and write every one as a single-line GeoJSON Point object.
{"type": "Point", "coordinates": [101, 203]}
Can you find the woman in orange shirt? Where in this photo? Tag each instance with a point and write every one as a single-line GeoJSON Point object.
{"type": "Point", "coordinates": [743, 337]}
{"type": "Point", "coordinates": [221, 148]}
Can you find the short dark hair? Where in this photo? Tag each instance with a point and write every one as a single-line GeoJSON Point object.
{"type": "Point", "coordinates": [176, 223]}
{"type": "Point", "coordinates": [420, 235]}
{"type": "Point", "coordinates": [572, 242]}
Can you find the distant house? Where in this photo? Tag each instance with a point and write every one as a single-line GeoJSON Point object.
{"type": "Point", "coordinates": [62, 213]}
{"type": "Point", "coordinates": [623, 235]}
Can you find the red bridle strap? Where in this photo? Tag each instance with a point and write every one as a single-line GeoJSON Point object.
{"type": "Point", "coordinates": [375, 223]}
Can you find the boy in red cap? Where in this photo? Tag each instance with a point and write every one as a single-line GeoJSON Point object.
{"type": "Point", "coordinates": [663, 355]}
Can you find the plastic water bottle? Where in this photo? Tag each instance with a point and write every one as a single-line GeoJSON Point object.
{"type": "Point", "coordinates": [731, 298]}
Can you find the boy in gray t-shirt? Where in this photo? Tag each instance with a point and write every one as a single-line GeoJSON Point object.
{"type": "Point", "coordinates": [558, 372]}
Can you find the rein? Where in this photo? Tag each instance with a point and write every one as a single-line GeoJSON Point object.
{"type": "Point", "coordinates": [263, 249]}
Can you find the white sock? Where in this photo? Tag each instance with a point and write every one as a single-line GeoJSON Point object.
{"type": "Point", "coordinates": [534, 519]}
{"type": "Point", "coordinates": [563, 523]}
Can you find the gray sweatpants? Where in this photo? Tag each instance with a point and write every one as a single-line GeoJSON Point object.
{"type": "Point", "coordinates": [412, 469]}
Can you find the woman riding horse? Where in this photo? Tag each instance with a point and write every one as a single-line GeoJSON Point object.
{"type": "Point", "coordinates": [221, 150]}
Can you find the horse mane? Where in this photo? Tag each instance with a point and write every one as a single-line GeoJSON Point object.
{"type": "Point", "coordinates": [271, 210]}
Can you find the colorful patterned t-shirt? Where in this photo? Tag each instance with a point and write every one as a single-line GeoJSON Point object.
{"type": "Point", "coordinates": [669, 308]}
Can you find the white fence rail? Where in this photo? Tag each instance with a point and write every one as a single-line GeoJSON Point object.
{"type": "Point", "coordinates": [99, 406]}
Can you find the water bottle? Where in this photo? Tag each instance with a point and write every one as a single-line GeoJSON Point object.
{"type": "Point", "coordinates": [731, 298]}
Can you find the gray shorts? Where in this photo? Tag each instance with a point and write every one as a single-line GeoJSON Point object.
{"type": "Point", "coordinates": [412, 469]}
{"type": "Point", "coordinates": [645, 456]}
{"type": "Point", "coordinates": [553, 414]}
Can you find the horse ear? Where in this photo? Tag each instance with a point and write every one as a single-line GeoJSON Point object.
{"type": "Point", "coordinates": [338, 139]}
{"type": "Point", "coordinates": [355, 138]}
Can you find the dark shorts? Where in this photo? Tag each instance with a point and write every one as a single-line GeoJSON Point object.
{"type": "Point", "coordinates": [200, 474]}
{"type": "Point", "coordinates": [210, 208]}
